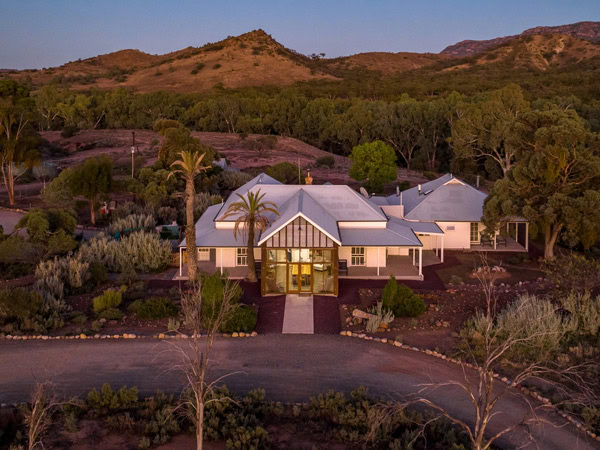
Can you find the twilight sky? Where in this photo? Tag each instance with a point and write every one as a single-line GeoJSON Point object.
{"type": "Point", "coordinates": [45, 33]}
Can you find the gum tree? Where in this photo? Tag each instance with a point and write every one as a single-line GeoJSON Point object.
{"type": "Point", "coordinates": [374, 162]}
{"type": "Point", "coordinates": [16, 153]}
{"type": "Point", "coordinates": [554, 184]}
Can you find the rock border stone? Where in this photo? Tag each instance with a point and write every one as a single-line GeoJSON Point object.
{"type": "Point", "coordinates": [578, 424]}
{"type": "Point", "coordinates": [84, 336]}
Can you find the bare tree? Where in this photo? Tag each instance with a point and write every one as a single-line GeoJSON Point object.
{"type": "Point", "coordinates": [484, 392]}
{"type": "Point", "coordinates": [208, 315]}
{"type": "Point", "coordinates": [38, 414]}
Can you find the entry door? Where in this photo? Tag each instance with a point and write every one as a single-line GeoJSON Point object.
{"type": "Point", "coordinates": [299, 278]}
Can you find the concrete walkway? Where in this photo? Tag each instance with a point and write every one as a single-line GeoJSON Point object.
{"type": "Point", "coordinates": [298, 317]}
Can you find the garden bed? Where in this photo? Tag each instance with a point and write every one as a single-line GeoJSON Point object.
{"type": "Point", "coordinates": [446, 311]}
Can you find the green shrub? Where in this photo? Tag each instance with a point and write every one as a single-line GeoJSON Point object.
{"type": "Point", "coordinates": [109, 400]}
{"type": "Point", "coordinates": [455, 280]}
{"type": "Point", "coordinates": [26, 310]}
{"type": "Point", "coordinates": [212, 296]}
{"type": "Point", "coordinates": [111, 314]}
{"type": "Point", "coordinates": [69, 131]}
{"type": "Point", "coordinates": [79, 318]}
{"type": "Point", "coordinates": [111, 298]}
{"type": "Point", "coordinates": [403, 185]}
{"type": "Point", "coordinates": [154, 308]}
{"type": "Point", "coordinates": [401, 300]}
{"type": "Point", "coordinates": [243, 319]}
{"type": "Point", "coordinates": [430, 175]}
{"type": "Point", "coordinates": [97, 273]}
{"type": "Point", "coordinates": [574, 273]}
{"type": "Point", "coordinates": [269, 141]}
{"type": "Point", "coordinates": [325, 161]}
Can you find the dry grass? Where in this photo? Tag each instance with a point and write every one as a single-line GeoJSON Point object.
{"type": "Point", "coordinates": [388, 63]}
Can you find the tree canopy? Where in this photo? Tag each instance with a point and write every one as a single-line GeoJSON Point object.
{"type": "Point", "coordinates": [375, 164]}
{"type": "Point", "coordinates": [91, 179]}
{"type": "Point", "coordinates": [554, 183]}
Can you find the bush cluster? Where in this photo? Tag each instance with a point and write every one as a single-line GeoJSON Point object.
{"type": "Point", "coordinates": [24, 310]}
{"type": "Point", "coordinates": [401, 300]}
{"type": "Point", "coordinates": [109, 299]}
{"type": "Point", "coordinates": [153, 308]}
{"type": "Point", "coordinates": [243, 318]}
{"type": "Point", "coordinates": [325, 161]}
{"type": "Point", "coordinates": [140, 251]}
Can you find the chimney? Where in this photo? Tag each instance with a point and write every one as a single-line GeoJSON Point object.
{"type": "Point", "coordinates": [419, 187]}
{"type": "Point", "coordinates": [397, 191]}
{"type": "Point", "coordinates": [477, 182]}
{"type": "Point", "coordinates": [308, 179]}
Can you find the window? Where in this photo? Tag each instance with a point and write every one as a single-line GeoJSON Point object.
{"type": "Point", "coordinates": [474, 231]}
{"type": "Point", "coordinates": [358, 256]}
{"type": "Point", "coordinates": [204, 254]}
{"type": "Point", "coordinates": [242, 257]}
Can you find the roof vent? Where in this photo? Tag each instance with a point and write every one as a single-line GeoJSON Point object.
{"type": "Point", "coordinates": [428, 192]}
{"type": "Point", "coordinates": [364, 192]}
{"type": "Point", "coordinates": [397, 191]}
{"type": "Point", "coordinates": [259, 179]}
{"type": "Point", "coordinates": [420, 189]}
{"type": "Point", "coordinates": [477, 181]}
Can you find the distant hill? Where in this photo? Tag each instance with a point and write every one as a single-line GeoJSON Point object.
{"type": "Point", "coordinates": [539, 52]}
{"type": "Point", "coordinates": [256, 59]}
{"type": "Point", "coordinates": [384, 62]}
{"type": "Point", "coordinates": [589, 31]}
{"type": "Point", "coordinates": [251, 59]}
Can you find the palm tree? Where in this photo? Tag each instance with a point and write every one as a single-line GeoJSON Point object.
{"type": "Point", "coordinates": [189, 167]}
{"type": "Point", "coordinates": [250, 215]}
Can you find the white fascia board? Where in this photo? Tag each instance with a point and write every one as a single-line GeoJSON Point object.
{"type": "Point", "coordinates": [299, 214]}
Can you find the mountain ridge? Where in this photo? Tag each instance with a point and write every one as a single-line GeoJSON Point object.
{"type": "Point", "coordinates": [586, 30]}
{"type": "Point", "coordinates": [256, 59]}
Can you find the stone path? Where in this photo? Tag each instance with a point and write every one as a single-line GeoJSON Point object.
{"type": "Point", "coordinates": [298, 317]}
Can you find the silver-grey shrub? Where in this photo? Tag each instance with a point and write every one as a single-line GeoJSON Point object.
{"type": "Point", "coordinates": [203, 200]}
{"type": "Point", "coordinates": [58, 277]}
{"type": "Point", "coordinates": [585, 313]}
{"type": "Point", "coordinates": [233, 180]}
{"type": "Point", "coordinates": [533, 325]}
{"type": "Point", "coordinates": [146, 251]}
{"type": "Point", "coordinates": [132, 222]}
{"type": "Point", "coordinates": [142, 251]}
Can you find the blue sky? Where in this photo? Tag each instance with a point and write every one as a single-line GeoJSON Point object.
{"type": "Point", "coordinates": [44, 33]}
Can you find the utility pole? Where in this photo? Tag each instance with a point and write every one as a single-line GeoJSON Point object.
{"type": "Point", "coordinates": [132, 154]}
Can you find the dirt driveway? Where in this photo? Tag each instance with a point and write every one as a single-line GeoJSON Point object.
{"type": "Point", "coordinates": [288, 367]}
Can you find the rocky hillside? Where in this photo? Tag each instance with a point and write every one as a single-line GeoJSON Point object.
{"type": "Point", "coordinates": [384, 62]}
{"type": "Point", "coordinates": [589, 31]}
{"type": "Point", "coordinates": [248, 60]}
{"type": "Point", "coordinates": [539, 52]}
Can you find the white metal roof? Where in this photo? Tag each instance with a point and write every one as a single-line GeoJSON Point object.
{"type": "Point", "coordinates": [340, 201]}
{"type": "Point", "coordinates": [394, 235]}
{"type": "Point", "coordinates": [302, 204]}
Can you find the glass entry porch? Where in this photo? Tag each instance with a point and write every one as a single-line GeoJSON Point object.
{"type": "Point", "coordinates": [299, 258]}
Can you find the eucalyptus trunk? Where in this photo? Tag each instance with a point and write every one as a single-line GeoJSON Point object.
{"type": "Point", "coordinates": [9, 182]}
{"type": "Point", "coordinates": [93, 210]}
{"type": "Point", "coordinates": [550, 237]}
{"type": "Point", "coordinates": [251, 263]}
{"type": "Point", "coordinates": [190, 230]}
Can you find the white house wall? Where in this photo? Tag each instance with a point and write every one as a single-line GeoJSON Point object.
{"type": "Point", "coordinates": [371, 260]}
{"type": "Point", "coordinates": [228, 255]}
{"type": "Point", "coordinates": [459, 238]}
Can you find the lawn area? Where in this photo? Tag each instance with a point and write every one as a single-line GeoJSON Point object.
{"type": "Point", "coordinates": [517, 265]}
